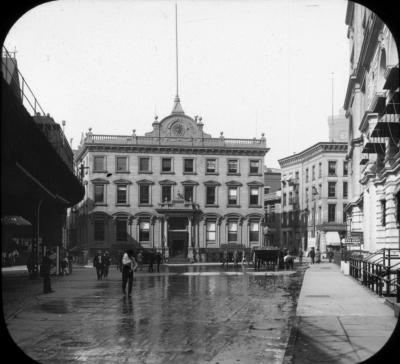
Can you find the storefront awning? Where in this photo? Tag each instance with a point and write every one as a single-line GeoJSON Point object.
{"type": "Point", "coordinates": [332, 238]}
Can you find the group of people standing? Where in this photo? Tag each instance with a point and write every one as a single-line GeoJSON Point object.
{"type": "Point", "coordinates": [102, 262]}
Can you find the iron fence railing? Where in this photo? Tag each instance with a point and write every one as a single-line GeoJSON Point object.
{"type": "Point", "coordinates": [15, 79]}
{"type": "Point", "coordinates": [379, 271]}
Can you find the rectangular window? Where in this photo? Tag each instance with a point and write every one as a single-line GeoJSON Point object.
{"type": "Point", "coordinates": [210, 195]}
{"type": "Point", "coordinates": [99, 193]}
{"type": "Point", "coordinates": [144, 194]}
{"type": "Point", "coordinates": [254, 166]}
{"type": "Point", "coordinates": [99, 230]}
{"type": "Point", "coordinates": [211, 166]}
{"type": "Point", "coordinates": [121, 225]}
{"type": "Point", "coordinates": [290, 198]}
{"type": "Point", "coordinates": [284, 199]}
{"type": "Point", "coordinates": [344, 189]}
{"type": "Point", "coordinates": [254, 196]}
{"type": "Point", "coordinates": [344, 213]}
{"type": "Point", "coordinates": [144, 164]}
{"type": "Point", "coordinates": [122, 164]}
{"type": "Point", "coordinates": [233, 166]}
{"type": "Point", "coordinates": [266, 190]}
{"type": "Point", "coordinates": [297, 175]}
{"type": "Point", "coordinates": [320, 169]}
{"type": "Point", "coordinates": [383, 212]}
{"type": "Point", "coordinates": [254, 231]}
{"type": "Point", "coordinates": [122, 193]}
{"type": "Point", "coordinates": [166, 193]}
{"type": "Point", "coordinates": [211, 230]}
{"type": "Point", "coordinates": [188, 165]}
{"type": "Point", "coordinates": [306, 174]}
{"type": "Point", "coordinates": [166, 165]}
{"type": "Point", "coordinates": [331, 168]}
{"type": "Point", "coordinates": [144, 231]}
{"type": "Point", "coordinates": [345, 168]}
{"type": "Point", "coordinates": [306, 196]}
{"type": "Point", "coordinates": [99, 164]}
{"type": "Point", "coordinates": [331, 212]}
{"type": "Point", "coordinates": [331, 189]}
{"type": "Point", "coordinates": [313, 173]}
{"type": "Point", "coordinates": [232, 196]}
{"type": "Point", "coordinates": [232, 231]}
{"type": "Point", "coordinates": [188, 193]}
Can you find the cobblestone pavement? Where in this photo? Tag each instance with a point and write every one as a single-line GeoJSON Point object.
{"type": "Point", "coordinates": [189, 314]}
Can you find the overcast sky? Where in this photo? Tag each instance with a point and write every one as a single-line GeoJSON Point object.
{"type": "Point", "coordinates": [247, 67]}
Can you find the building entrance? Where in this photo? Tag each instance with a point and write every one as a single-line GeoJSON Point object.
{"type": "Point", "coordinates": [177, 237]}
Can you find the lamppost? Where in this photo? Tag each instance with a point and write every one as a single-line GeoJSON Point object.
{"type": "Point", "coordinates": [314, 197]}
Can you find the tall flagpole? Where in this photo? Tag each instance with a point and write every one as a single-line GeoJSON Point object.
{"type": "Point", "coordinates": [176, 47]}
{"type": "Point", "coordinates": [332, 73]}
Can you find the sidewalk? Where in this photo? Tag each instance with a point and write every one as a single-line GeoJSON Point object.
{"type": "Point", "coordinates": [338, 320]}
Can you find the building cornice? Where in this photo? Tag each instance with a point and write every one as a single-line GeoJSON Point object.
{"type": "Point", "coordinates": [316, 149]}
{"type": "Point", "coordinates": [178, 149]}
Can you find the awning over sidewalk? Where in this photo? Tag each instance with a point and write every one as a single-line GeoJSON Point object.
{"type": "Point", "coordinates": [332, 238]}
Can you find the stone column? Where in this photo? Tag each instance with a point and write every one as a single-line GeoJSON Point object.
{"type": "Point", "coordinates": [190, 247]}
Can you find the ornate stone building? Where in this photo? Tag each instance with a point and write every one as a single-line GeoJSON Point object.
{"type": "Point", "coordinates": [372, 108]}
{"type": "Point", "coordinates": [176, 190]}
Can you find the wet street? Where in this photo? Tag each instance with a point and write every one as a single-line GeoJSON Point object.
{"type": "Point", "coordinates": [185, 314]}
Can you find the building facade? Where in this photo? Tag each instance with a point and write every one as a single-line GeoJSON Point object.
{"type": "Point", "coordinates": [372, 109]}
{"type": "Point", "coordinates": [176, 190]}
{"type": "Point", "coordinates": [314, 194]}
{"type": "Point", "coordinates": [272, 206]}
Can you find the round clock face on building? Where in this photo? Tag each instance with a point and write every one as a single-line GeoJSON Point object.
{"type": "Point", "coordinates": [178, 129]}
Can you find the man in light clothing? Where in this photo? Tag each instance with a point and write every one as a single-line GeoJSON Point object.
{"type": "Point", "coordinates": [129, 265]}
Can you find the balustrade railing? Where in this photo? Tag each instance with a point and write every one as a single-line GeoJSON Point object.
{"type": "Point", "coordinates": [150, 140]}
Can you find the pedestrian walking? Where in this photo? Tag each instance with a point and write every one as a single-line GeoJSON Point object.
{"type": "Point", "coordinates": [235, 258]}
{"type": "Point", "coordinates": [311, 254]}
{"type": "Point", "coordinates": [281, 259]}
{"type": "Point", "coordinates": [330, 255]}
{"type": "Point", "coordinates": [158, 261]}
{"type": "Point", "coordinates": [64, 266]}
{"type": "Point", "coordinates": [106, 264]}
{"type": "Point", "coordinates": [140, 260]}
{"type": "Point", "coordinates": [318, 256]}
{"type": "Point", "coordinates": [129, 265]}
{"type": "Point", "coordinates": [98, 263]}
{"type": "Point", "coordinates": [69, 257]}
{"type": "Point", "coordinates": [45, 273]}
{"type": "Point", "coordinates": [300, 256]}
{"type": "Point", "coordinates": [30, 265]}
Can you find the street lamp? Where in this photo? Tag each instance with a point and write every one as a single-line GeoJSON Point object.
{"type": "Point", "coordinates": [314, 194]}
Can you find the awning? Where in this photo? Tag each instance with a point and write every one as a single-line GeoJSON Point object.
{"type": "Point", "coordinates": [332, 238]}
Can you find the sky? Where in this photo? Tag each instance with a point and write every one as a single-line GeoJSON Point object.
{"type": "Point", "coordinates": [246, 67]}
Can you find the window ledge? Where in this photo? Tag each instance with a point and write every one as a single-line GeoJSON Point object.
{"type": "Point", "coordinates": [145, 172]}
{"type": "Point", "coordinates": [167, 172]}
{"type": "Point", "coordinates": [194, 173]}
{"type": "Point", "coordinates": [255, 174]}
{"type": "Point", "coordinates": [255, 206]}
{"type": "Point", "coordinates": [123, 172]}
{"type": "Point", "coordinates": [233, 174]}
{"type": "Point", "coordinates": [212, 173]}
{"type": "Point", "coordinates": [208, 205]}
{"type": "Point", "coordinates": [100, 204]}
{"type": "Point", "coordinates": [122, 204]}
{"type": "Point", "coordinates": [233, 205]}
{"type": "Point", "coordinates": [145, 205]}
{"type": "Point", "coordinates": [99, 171]}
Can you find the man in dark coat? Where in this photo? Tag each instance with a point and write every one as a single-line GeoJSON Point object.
{"type": "Point", "coordinates": [45, 273]}
{"type": "Point", "coordinates": [158, 261]}
{"type": "Point", "coordinates": [311, 254]}
{"type": "Point", "coordinates": [98, 263]}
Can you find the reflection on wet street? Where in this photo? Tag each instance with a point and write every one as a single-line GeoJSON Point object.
{"type": "Point", "coordinates": [186, 314]}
